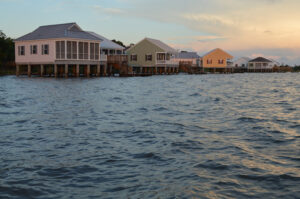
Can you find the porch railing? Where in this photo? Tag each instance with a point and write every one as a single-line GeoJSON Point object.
{"type": "Point", "coordinates": [103, 57]}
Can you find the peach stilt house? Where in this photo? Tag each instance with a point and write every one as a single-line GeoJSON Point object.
{"type": "Point", "coordinates": [217, 59]}
{"type": "Point", "coordinates": [59, 50]}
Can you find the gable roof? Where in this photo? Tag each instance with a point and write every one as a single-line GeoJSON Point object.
{"type": "Point", "coordinates": [157, 43]}
{"type": "Point", "coordinates": [260, 59]}
{"type": "Point", "coordinates": [187, 55]}
{"type": "Point", "coordinates": [162, 45]}
{"type": "Point", "coordinates": [218, 49]}
{"type": "Point", "coordinates": [67, 30]}
{"type": "Point", "coordinates": [247, 59]}
{"type": "Point", "coordinates": [106, 43]}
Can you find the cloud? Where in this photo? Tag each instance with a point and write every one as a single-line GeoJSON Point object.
{"type": "Point", "coordinates": [234, 25]}
{"type": "Point", "coordinates": [107, 10]}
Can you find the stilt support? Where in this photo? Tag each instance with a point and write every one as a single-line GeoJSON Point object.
{"type": "Point", "coordinates": [66, 70]}
{"type": "Point", "coordinates": [29, 70]}
{"type": "Point", "coordinates": [42, 70]}
{"type": "Point", "coordinates": [17, 70]}
{"type": "Point", "coordinates": [55, 70]}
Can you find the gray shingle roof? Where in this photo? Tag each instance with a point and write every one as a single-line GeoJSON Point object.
{"type": "Point", "coordinates": [162, 45]}
{"type": "Point", "coordinates": [68, 30]}
{"type": "Point", "coordinates": [106, 43]}
{"type": "Point", "coordinates": [260, 59]}
{"type": "Point", "coordinates": [187, 55]}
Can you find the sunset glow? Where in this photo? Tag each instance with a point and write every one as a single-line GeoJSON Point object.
{"type": "Point", "coordinates": [244, 28]}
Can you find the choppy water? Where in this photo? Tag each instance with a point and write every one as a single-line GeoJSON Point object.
{"type": "Point", "coordinates": [210, 136]}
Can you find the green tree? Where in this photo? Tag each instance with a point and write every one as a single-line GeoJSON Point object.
{"type": "Point", "coordinates": [118, 42]}
{"type": "Point", "coordinates": [7, 49]}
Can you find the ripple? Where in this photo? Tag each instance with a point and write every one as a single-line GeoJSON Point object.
{"type": "Point", "coordinates": [212, 165]}
{"type": "Point", "coordinates": [210, 136]}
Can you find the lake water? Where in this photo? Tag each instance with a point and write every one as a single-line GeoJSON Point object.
{"type": "Point", "coordinates": [181, 136]}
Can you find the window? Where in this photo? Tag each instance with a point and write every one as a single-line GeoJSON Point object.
{"type": "Point", "coordinates": [33, 49]}
{"type": "Point", "coordinates": [80, 50]}
{"type": "Point", "coordinates": [148, 57]}
{"type": "Point", "coordinates": [60, 50]}
{"type": "Point", "coordinates": [21, 50]}
{"type": "Point", "coordinates": [251, 64]}
{"type": "Point", "coordinates": [221, 61]}
{"type": "Point", "coordinates": [133, 58]}
{"type": "Point", "coordinates": [97, 51]}
{"type": "Point", "coordinates": [168, 57]}
{"type": "Point", "coordinates": [74, 50]}
{"type": "Point", "coordinates": [45, 49]}
{"type": "Point", "coordinates": [161, 56]}
{"type": "Point", "coordinates": [69, 49]}
{"type": "Point", "coordinates": [83, 50]}
{"type": "Point", "coordinates": [92, 51]}
{"type": "Point", "coordinates": [86, 50]}
{"type": "Point", "coordinates": [209, 61]}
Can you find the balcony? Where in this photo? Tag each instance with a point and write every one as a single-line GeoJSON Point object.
{"type": "Point", "coordinates": [167, 62]}
{"type": "Point", "coordinates": [103, 57]}
{"type": "Point", "coordinates": [117, 58]}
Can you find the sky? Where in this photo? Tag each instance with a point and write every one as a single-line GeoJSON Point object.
{"type": "Point", "coordinates": [251, 28]}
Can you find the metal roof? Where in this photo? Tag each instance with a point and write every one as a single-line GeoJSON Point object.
{"type": "Point", "coordinates": [68, 30]}
{"type": "Point", "coordinates": [106, 43]}
{"type": "Point", "coordinates": [187, 55]}
{"type": "Point", "coordinates": [260, 59]}
{"type": "Point", "coordinates": [162, 45]}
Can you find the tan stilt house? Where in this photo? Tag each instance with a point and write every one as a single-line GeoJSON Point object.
{"type": "Point", "coordinates": [59, 50]}
{"type": "Point", "coordinates": [217, 59]}
{"type": "Point", "coordinates": [151, 56]}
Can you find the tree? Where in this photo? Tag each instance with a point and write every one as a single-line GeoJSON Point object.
{"type": "Point", "coordinates": [7, 49]}
{"type": "Point", "coordinates": [118, 42]}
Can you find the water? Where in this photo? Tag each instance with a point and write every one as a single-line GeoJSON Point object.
{"type": "Point", "coordinates": [210, 136]}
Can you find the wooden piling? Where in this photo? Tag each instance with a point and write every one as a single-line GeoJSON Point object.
{"type": "Point", "coordinates": [55, 70]}
{"type": "Point", "coordinates": [66, 70]}
{"type": "Point", "coordinates": [29, 70]}
{"type": "Point", "coordinates": [42, 70]}
{"type": "Point", "coordinates": [17, 70]}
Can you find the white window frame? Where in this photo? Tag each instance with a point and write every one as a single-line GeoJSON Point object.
{"type": "Point", "coordinates": [45, 51]}
{"type": "Point", "coordinates": [32, 48]}
{"type": "Point", "coordinates": [21, 50]}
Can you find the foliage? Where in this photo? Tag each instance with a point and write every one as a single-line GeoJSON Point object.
{"type": "Point", "coordinates": [118, 42]}
{"type": "Point", "coordinates": [296, 69]}
{"type": "Point", "coordinates": [7, 54]}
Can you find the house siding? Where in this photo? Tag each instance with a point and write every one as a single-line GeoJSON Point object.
{"type": "Point", "coordinates": [141, 50]}
{"type": "Point", "coordinates": [215, 56]}
{"type": "Point", "coordinates": [39, 58]}
{"type": "Point", "coordinates": [35, 58]}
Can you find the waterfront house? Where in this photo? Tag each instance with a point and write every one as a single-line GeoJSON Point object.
{"type": "Point", "coordinates": [151, 56]}
{"type": "Point", "coordinates": [274, 63]}
{"type": "Point", "coordinates": [113, 55]}
{"type": "Point", "coordinates": [217, 59]}
{"type": "Point", "coordinates": [260, 64]}
{"type": "Point", "coordinates": [61, 49]}
{"type": "Point", "coordinates": [188, 58]}
{"type": "Point", "coordinates": [109, 47]}
{"type": "Point", "coordinates": [241, 62]}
